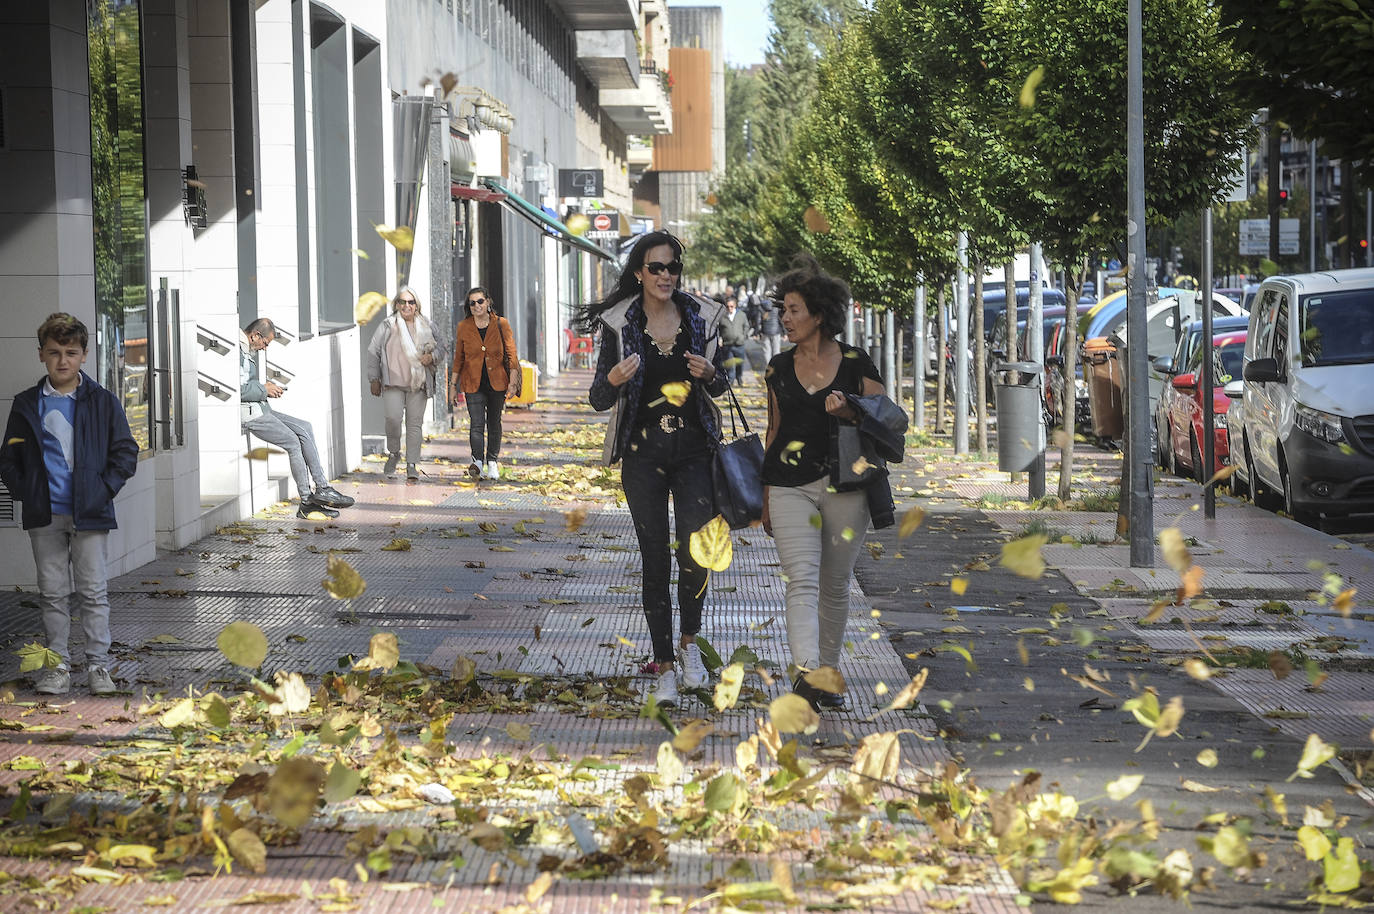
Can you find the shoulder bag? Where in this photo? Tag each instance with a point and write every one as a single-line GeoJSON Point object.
{"type": "Point", "coordinates": [737, 472]}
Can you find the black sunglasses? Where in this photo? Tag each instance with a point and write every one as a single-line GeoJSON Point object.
{"type": "Point", "coordinates": [406, 301]}
{"type": "Point", "coordinates": [674, 268]}
{"type": "Point", "coordinates": [477, 301]}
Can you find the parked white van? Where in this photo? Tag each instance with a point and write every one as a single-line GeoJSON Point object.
{"type": "Point", "coordinates": [1307, 422]}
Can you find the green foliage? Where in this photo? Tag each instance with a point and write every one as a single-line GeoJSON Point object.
{"type": "Point", "coordinates": [1310, 67]}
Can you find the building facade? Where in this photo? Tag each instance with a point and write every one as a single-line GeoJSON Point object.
{"type": "Point", "coordinates": [171, 169]}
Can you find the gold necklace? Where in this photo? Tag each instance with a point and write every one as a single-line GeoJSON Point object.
{"type": "Point", "coordinates": [665, 344]}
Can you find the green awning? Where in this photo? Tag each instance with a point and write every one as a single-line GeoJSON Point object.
{"type": "Point", "coordinates": [557, 230]}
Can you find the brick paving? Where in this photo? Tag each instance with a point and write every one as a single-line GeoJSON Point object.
{"type": "Point", "coordinates": [532, 576]}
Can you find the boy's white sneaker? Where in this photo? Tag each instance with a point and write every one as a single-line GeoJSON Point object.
{"type": "Point", "coordinates": [694, 675]}
{"type": "Point", "coordinates": [493, 470]}
{"type": "Point", "coordinates": [54, 682]}
{"type": "Point", "coordinates": [665, 690]}
{"type": "Point", "coordinates": [99, 681]}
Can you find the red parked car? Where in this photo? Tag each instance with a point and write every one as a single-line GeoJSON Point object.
{"type": "Point", "coordinates": [1182, 408]}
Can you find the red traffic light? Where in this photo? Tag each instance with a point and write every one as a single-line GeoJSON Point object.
{"type": "Point", "coordinates": [1283, 195]}
{"type": "Point", "coordinates": [1364, 244]}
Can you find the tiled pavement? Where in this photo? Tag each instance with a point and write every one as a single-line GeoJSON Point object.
{"type": "Point", "coordinates": [495, 572]}
{"type": "Point", "coordinates": [1262, 589]}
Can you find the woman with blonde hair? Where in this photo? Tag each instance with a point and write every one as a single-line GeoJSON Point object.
{"type": "Point", "coordinates": [402, 358]}
{"type": "Point", "coordinates": [486, 367]}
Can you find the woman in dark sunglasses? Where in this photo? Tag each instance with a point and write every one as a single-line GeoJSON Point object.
{"type": "Point", "coordinates": [486, 368]}
{"type": "Point", "coordinates": [657, 370]}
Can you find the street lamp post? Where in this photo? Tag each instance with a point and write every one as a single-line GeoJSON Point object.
{"type": "Point", "coordinates": [1138, 435]}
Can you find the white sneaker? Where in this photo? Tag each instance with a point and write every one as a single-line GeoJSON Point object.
{"type": "Point", "coordinates": [665, 690]}
{"type": "Point", "coordinates": [99, 681]}
{"type": "Point", "coordinates": [694, 675]}
{"type": "Point", "coordinates": [59, 682]}
{"type": "Point", "coordinates": [493, 470]}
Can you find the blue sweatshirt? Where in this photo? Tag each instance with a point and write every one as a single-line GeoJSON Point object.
{"type": "Point", "coordinates": [57, 414]}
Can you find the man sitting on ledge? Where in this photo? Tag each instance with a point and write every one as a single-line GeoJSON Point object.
{"type": "Point", "coordinates": [292, 435]}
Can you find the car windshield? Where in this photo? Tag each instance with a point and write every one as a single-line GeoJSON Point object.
{"type": "Point", "coordinates": [1227, 361]}
{"type": "Point", "coordinates": [1337, 328]}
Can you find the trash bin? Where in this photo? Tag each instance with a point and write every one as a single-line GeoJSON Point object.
{"type": "Point", "coordinates": [1019, 414]}
{"type": "Point", "coordinates": [529, 385]}
{"type": "Point", "coordinates": [1102, 371]}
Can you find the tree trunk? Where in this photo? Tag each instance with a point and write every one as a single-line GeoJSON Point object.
{"type": "Point", "coordinates": [941, 379]}
{"type": "Point", "coordinates": [1074, 279]}
{"type": "Point", "coordinates": [980, 359]}
{"type": "Point", "coordinates": [1009, 282]}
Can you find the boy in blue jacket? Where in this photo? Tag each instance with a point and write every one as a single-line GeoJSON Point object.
{"type": "Point", "coordinates": [67, 452]}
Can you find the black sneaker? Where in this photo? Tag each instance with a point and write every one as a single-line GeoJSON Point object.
{"type": "Point", "coordinates": [831, 701]}
{"type": "Point", "coordinates": [310, 506]}
{"type": "Point", "coordinates": [331, 497]}
{"type": "Point", "coordinates": [806, 690]}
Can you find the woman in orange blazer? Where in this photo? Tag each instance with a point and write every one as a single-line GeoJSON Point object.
{"type": "Point", "coordinates": [486, 368]}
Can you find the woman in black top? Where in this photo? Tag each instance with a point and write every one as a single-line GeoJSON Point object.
{"type": "Point", "coordinates": [806, 398]}
{"type": "Point", "coordinates": [658, 367]}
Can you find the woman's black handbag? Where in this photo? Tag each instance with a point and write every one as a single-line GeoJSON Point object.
{"type": "Point", "coordinates": [737, 472]}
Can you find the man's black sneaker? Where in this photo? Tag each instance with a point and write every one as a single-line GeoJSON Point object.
{"type": "Point", "coordinates": [309, 506]}
{"type": "Point", "coordinates": [831, 701]}
{"type": "Point", "coordinates": [331, 497]}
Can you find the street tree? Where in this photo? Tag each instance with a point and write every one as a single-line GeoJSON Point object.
{"type": "Point", "coordinates": [1070, 120]}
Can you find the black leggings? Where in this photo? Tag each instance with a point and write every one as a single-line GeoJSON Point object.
{"type": "Point", "coordinates": [658, 464]}
{"type": "Point", "coordinates": [484, 424]}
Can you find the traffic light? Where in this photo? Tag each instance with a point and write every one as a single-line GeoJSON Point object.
{"type": "Point", "coordinates": [1283, 195]}
{"type": "Point", "coordinates": [1364, 244]}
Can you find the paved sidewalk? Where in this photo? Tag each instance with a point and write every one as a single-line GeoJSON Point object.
{"type": "Point", "coordinates": [535, 580]}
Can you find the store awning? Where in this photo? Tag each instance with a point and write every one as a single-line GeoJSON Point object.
{"type": "Point", "coordinates": [480, 194]}
{"type": "Point", "coordinates": [543, 220]}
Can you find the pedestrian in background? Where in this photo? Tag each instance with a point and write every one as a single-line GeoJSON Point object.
{"type": "Point", "coordinates": [806, 399]}
{"type": "Point", "coordinates": [402, 361]}
{"type": "Point", "coordinates": [68, 451]}
{"type": "Point", "coordinates": [770, 328]}
{"type": "Point", "coordinates": [734, 334]}
{"type": "Point", "coordinates": [486, 367]}
{"type": "Point", "coordinates": [658, 368]}
{"type": "Point", "coordinates": [753, 310]}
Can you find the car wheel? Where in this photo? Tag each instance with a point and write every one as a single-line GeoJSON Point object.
{"type": "Point", "coordinates": [1235, 484]}
{"type": "Point", "coordinates": [1259, 492]}
{"type": "Point", "coordinates": [1166, 447]}
{"type": "Point", "coordinates": [1199, 473]}
{"type": "Point", "coordinates": [1160, 442]}
{"type": "Point", "coordinates": [1301, 515]}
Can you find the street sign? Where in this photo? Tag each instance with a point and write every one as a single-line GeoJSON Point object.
{"type": "Point", "coordinates": [580, 182]}
{"type": "Point", "coordinates": [604, 225]}
{"type": "Point", "coordinates": [1254, 236]}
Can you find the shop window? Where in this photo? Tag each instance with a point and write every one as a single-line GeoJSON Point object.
{"type": "Point", "coordinates": [120, 210]}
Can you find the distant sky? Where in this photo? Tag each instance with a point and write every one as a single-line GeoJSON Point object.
{"type": "Point", "coordinates": [746, 29]}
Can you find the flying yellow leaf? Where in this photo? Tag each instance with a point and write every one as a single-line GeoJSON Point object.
{"type": "Point", "coordinates": [383, 653]}
{"type": "Point", "coordinates": [1175, 551]}
{"type": "Point", "coordinates": [1314, 843]}
{"type": "Point", "coordinates": [1222, 474]}
{"type": "Point", "coordinates": [574, 518]}
{"type": "Point", "coordinates": [676, 392]}
{"type": "Point", "coordinates": [342, 580]}
{"type": "Point", "coordinates": [293, 695]}
{"type": "Point", "coordinates": [1315, 753]}
{"type": "Point", "coordinates": [790, 713]}
{"type": "Point", "coordinates": [243, 644]}
{"type": "Point", "coordinates": [1028, 88]}
{"type": "Point", "coordinates": [248, 849]}
{"type": "Point", "coordinates": [1022, 557]}
{"type": "Point", "coordinates": [958, 585]}
{"type": "Point", "coordinates": [727, 690]}
{"type": "Point", "coordinates": [1207, 758]}
{"type": "Point", "coordinates": [710, 546]}
{"type": "Point", "coordinates": [1341, 868]}
{"type": "Point", "coordinates": [1191, 584]}
{"type": "Point", "coordinates": [669, 765]}
{"type": "Point", "coordinates": [1124, 786]}
{"type": "Point", "coordinates": [1197, 668]}
{"type": "Point", "coordinates": [815, 221]}
{"type": "Point", "coordinates": [912, 519]}
{"type": "Point", "coordinates": [1344, 602]}
{"type": "Point", "coordinates": [367, 306]}
{"type": "Point", "coordinates": [181, 714]}
{"type": "Point", "coordinates": [907, 696]}
{"type": "Point", "coordinates": [262, 453]}
{"type": "Point", "coordinates": [535, 890]}
{"type": "Point", "coordinates": [402, 237]}
{"type": "Point", "coordinates": [691, 735]}
{"type": "Point", "coordinates": [876, 761]}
